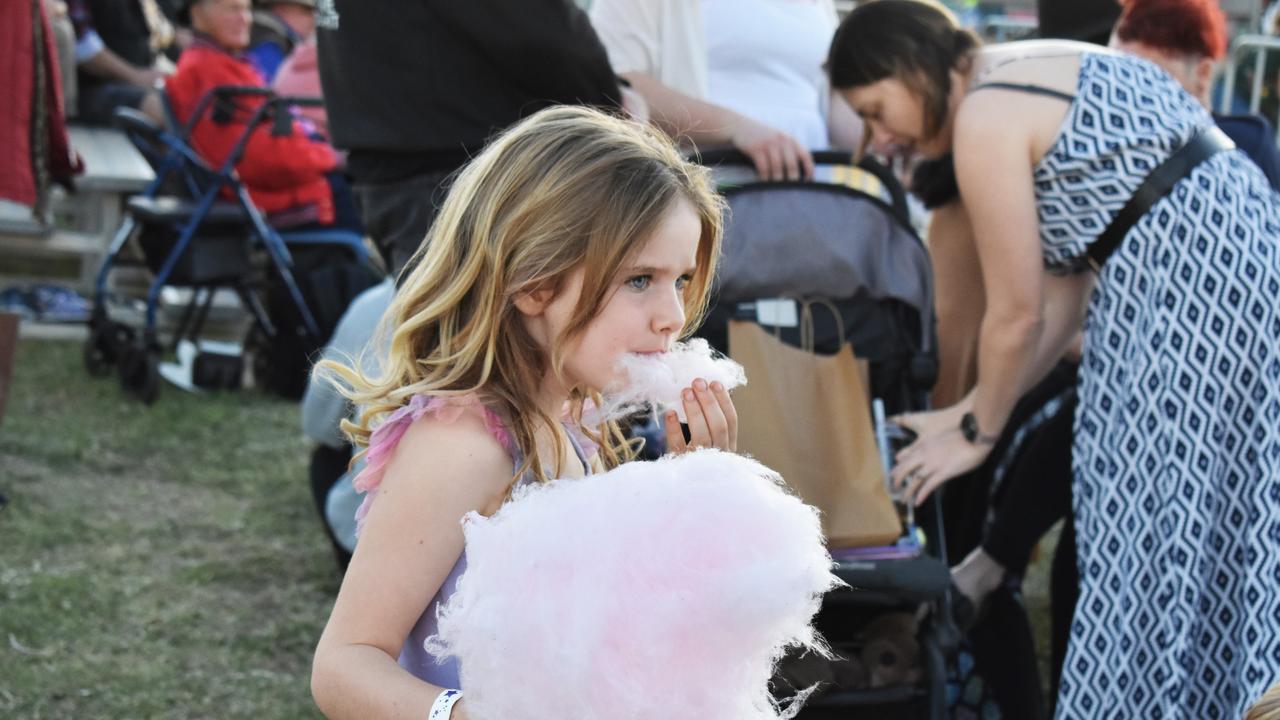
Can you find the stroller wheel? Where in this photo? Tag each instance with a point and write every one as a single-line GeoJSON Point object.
{"type": "Point", "coordinates": [140, 372]}
{"type": "Point", "coordinates": [96, 361]}
{"type": "Point", "coordinates": [257, 350]}
{"type": "Point", "coordinates": [103, 347]}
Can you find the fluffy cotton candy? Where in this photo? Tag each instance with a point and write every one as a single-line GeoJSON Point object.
{"type": "Point", "coordinates": [658, 380]}
{"type": "Point", "coordinates": [661, 590]}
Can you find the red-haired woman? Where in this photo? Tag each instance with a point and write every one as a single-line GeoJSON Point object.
{"type": "Point", "coordinates": [1187, 38]}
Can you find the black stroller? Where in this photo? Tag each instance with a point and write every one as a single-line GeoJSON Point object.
{"type": "Point", "coordinates": [846, 238]}
{"type": "Point", "coordinates": [190, 235]}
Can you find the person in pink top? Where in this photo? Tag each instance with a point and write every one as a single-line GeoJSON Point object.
{"type": "Point", "coordinates": [574, 240]}
{"type": "Point", "coordinates": [299, 75]}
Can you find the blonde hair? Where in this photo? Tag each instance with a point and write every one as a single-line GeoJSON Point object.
{"type": "Point", "coordinates": [567, 187]}
{"type": "Point", "coordinates": [1267, 707]}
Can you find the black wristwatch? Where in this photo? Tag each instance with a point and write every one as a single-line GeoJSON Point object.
{"type": "Point", "coordinates": [969, 428]}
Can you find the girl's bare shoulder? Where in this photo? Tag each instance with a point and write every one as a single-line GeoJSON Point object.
{"type": "Point", "coordinates": [459, 448]}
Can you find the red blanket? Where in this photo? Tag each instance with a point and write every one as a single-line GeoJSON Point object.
{"type": "Point", "coordinates": [34, 150]}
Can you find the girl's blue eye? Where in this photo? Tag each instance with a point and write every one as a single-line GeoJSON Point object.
{"type": "Point", "coordinates": [640, 282]}
{"type": "Point", "coordinates": [683, 281]}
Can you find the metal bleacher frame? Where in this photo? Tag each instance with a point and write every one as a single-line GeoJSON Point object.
{"type": "Point", "coordinates": [1261, 46]}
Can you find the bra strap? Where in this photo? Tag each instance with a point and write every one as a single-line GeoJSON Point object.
{"type": "Point", "coordinates": [1033, 89]}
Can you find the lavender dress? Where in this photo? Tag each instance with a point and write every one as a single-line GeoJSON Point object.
{"type": "Point", "coordinates": [414, 656]}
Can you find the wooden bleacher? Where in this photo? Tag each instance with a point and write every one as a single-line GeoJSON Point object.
{"type": "Point", "coordinates": [67, 247]}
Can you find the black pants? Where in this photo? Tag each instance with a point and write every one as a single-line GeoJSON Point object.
{"type": "Point", "coordinates": [1035, 494]}
{"type": "Point", "coordinates": [397, 215]}
{"type": "Point", "coordinates": [1006, 505]}
{"type": "Point", "coordinates": [1035, 491]}
{"type": "Point", "coordinates": [328, 466]}
{"type": "Point", "coordinates": [98, 101]}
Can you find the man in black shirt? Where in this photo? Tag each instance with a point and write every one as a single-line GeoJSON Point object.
{"type": "Point", "coordinates": [117, 45]}
{"type": "Point", "coordinates": [415, 89]}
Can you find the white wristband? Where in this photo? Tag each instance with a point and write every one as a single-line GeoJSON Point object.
{"type": "Point", "coordinates": [442, 708]}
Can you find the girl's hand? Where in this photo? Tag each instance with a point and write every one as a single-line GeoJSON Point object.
{"type": "Point", "coordinates": [933, 459]}
{"type": "Point", "coordinates": [459, 710]}
{"type": "Point", "coordinates": [713, 421]}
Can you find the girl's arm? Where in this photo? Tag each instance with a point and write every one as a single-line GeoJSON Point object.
{"type": "Point", "coordinates": [776, 154]}
{"type": "Point", "coordinates": [409, 543]}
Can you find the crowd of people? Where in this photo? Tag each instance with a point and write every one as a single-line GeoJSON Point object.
{"type": "Point", "coordinates": [1105, 254]}
{"type": "Point", "coordinates": [161, 57]}
{"type": "Point", "coordinates": [1168, 474]}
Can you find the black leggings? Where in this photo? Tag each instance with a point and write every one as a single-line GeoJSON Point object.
{"type": "Point", "coordinates": [1036, 493]}
{"type": "Point", "coordinates": [1005, 506]}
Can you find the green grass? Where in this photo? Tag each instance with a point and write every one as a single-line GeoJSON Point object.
{"type": "Point", "coordinates": [159, 561]}
{"type": "Point", "coordinates": [166, 561]}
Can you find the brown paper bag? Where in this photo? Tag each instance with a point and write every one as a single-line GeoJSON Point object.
{"type": "Point", "coordinates": [808, 417]}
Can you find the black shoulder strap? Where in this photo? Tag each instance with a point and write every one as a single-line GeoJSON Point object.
{"type": "Point", "coordinates": [1203, 145]}
{"type": "Point", "coordinates": [1033, 89]}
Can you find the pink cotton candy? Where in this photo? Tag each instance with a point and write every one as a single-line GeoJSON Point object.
{"type": "Point", "coordinates": [659, 590]}
{"type": "Point", "coordinates": [658, 380]}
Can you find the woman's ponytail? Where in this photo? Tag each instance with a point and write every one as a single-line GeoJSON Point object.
{"type": "Point", "coordinates": [963, 44]}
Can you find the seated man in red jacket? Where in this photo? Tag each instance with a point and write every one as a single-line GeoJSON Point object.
{"type": "Point", "coordinates": [293, 176]}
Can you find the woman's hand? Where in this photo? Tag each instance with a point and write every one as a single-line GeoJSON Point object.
{"type": "Point", "coordinates": [934, 458]}
{"type": "Point", "coordinates": [776, 155]}
{"type": "Point", "coordinates": [713, 421]}
{"type": "Point", "coordinates": [934, 422]}
{"type": "Point", "coordinates": [459, 710]}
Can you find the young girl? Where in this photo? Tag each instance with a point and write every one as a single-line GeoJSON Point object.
{"type": "Point", "coordinates": [573, 239]}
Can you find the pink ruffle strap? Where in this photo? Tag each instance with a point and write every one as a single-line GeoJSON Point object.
{"type": "Point", "coordinates": [590, 414]}
{"type": "Point", "coordinates": [386, 437]}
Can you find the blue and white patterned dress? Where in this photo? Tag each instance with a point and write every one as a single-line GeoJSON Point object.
{"type": "Point", "coordinates": [1177, 436]}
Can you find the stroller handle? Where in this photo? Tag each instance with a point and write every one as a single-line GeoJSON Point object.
{"type": "Point", "coordinates": [222, 93]}
{"type": "Point", "coordinates": [277, 112]}
{"type": "Point", "coordinates": [897, 194]}
{"type": "Point", "coordinates": [299, 100]}
{"type": "Point", "coordinates": [273, 109]}
{"type": "Point", "coordinates": [730, 156]}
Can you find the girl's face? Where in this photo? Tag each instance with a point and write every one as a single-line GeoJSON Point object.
{"type": "Point", "coordinates": [895, 115]}
{"type": "Point", "coordinates": [644, 312]}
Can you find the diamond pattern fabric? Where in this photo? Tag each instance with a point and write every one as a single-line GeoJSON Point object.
{"type": "Point", "coordinates": [1177, 435]}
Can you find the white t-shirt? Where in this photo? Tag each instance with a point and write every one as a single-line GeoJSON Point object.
{"type": "Point", "coordinates": [764, 61]}
{"type": "Point", "coordinates": [660, 38]}
{"type": "Point", "coordinates": [761, 58]}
